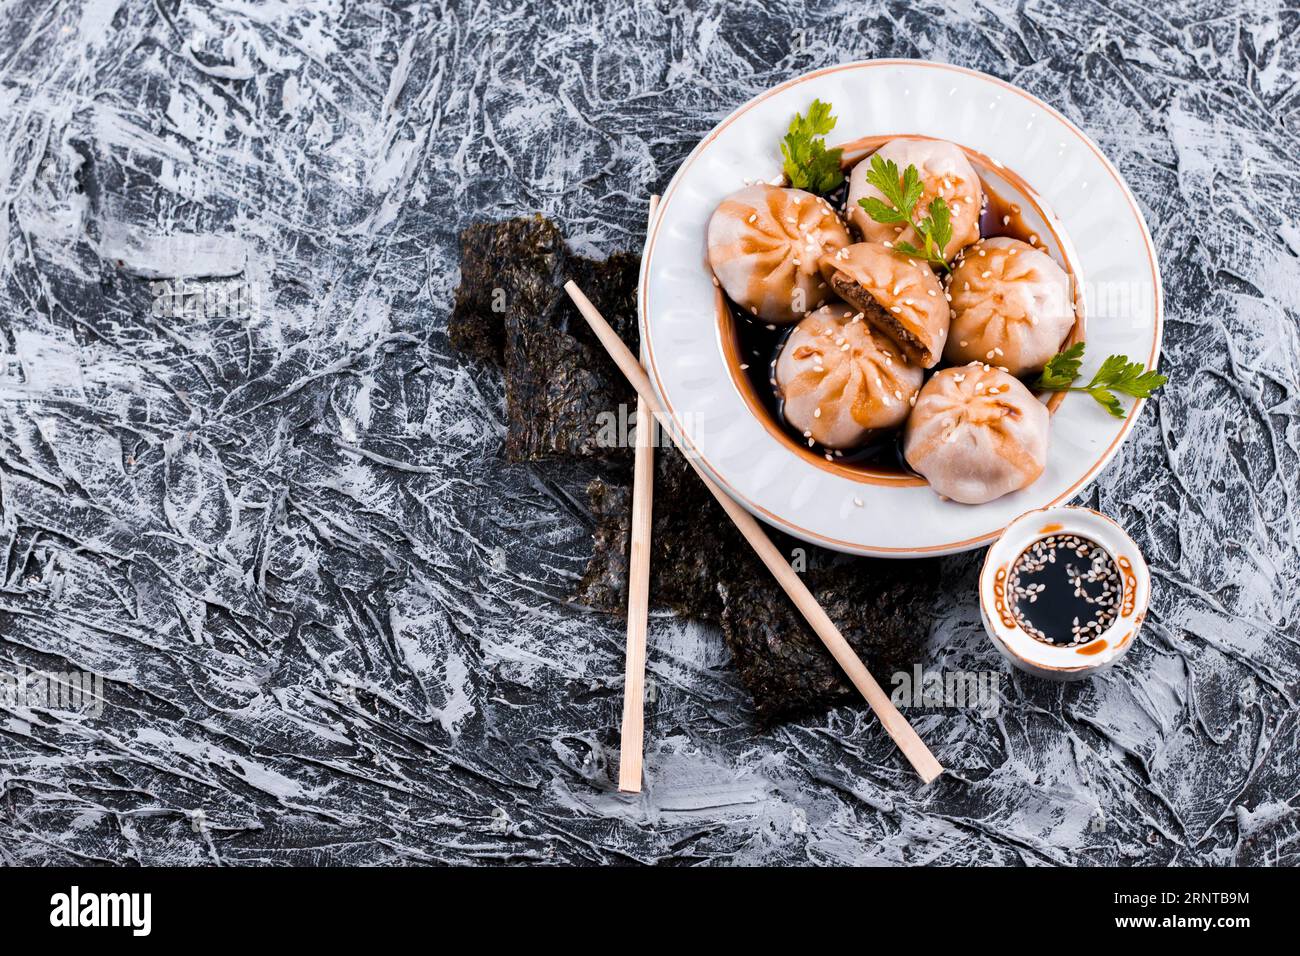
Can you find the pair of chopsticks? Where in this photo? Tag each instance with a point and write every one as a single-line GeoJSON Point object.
{"type": "Point", "coordinates": [649, 410]}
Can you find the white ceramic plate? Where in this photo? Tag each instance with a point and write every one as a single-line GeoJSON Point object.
{"type": "Point", "coordinates": [1100, 235]}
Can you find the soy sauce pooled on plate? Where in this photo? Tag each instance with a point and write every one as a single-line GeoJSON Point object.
{"type": "Point", "coordinates": [1065, 590]}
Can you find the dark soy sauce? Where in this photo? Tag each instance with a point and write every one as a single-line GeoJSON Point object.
{"type": "Point", "coordinates": [1065, 590]}
{"type": "Point", "coordinates": [760, 346]}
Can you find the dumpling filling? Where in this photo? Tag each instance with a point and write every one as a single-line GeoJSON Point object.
{"type": "Point", "coordinates": [899, 297]}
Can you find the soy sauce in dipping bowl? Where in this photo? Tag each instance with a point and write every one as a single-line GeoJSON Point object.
{"type": "Point", "coordinates": [1063, 592]}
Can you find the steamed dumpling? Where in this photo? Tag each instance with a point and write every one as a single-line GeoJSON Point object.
{"type": "Point", "coordinates": [945, 171]}
{"type": "Point", "coordinates": [1010, 306]}
{"type": "Point", "coordinates": [897, 296]}
{"type": "Point", "coordinates": [839, 380]}
{"type": "Point", "coordinates": [976, 434]}
{"type": "Point", "coordinates": [764, 245]}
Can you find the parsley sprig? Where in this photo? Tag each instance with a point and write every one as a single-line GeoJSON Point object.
{"type": "Point", "coordinates": [1117, 374]}
{"type": "Point", "coordinates": [902, 193]}
{"type": "Point", "coordinates": [808, 163]}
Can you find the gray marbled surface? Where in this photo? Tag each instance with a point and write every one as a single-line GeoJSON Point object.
{"type": "Point", "coordinates": [331, 623]}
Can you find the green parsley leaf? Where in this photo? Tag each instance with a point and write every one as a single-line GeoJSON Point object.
{"type": "Point", "coordinates": [1062, 369]}
{"type": "Point", "coordinates": [819, 121]}
{"type": "Point", "coordinates": [1128, 378]}
{"type": "Point", "coordinates": [808, 164]}
{"type": "Point", "coordinates": [902, 193]}
{"type": "Point", "coordinates": [881, 212]}
{"type": "Point", "coordinates": [936, 227]}
{"type": "Point", "coordinates": [907, 249]}
{"type": "Point", "coordinates": [1116, 374]}
{"type": "Point", "coordinates": [1108, 402]}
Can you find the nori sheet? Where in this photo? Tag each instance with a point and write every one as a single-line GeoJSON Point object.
{"type": "Point", "coordinates": [702, 568]}
{"type": "Point", "coordinates": [503, 265]}
{"type": "Point", "coordinates": [511, 310]}
{"type": "Point", "coordinates": [883, 608]}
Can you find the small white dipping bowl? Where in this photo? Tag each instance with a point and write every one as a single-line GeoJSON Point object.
{"type": "Point", "coordinates": [1058, 662]}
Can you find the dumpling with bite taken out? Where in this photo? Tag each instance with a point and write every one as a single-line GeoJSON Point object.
{"type": "Point", "coordinates": [897, 296]}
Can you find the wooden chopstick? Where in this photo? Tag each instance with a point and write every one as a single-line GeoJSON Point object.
{"type": "Point", "coordinates": [895, 724]}
{"type": "Point", "coordinates": [638, 591]}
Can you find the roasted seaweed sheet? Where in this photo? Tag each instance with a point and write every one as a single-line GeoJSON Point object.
{"type": "Point", "coordinates": [511, 310]}
{"type": "Point", "coordinates": [703, 568]}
